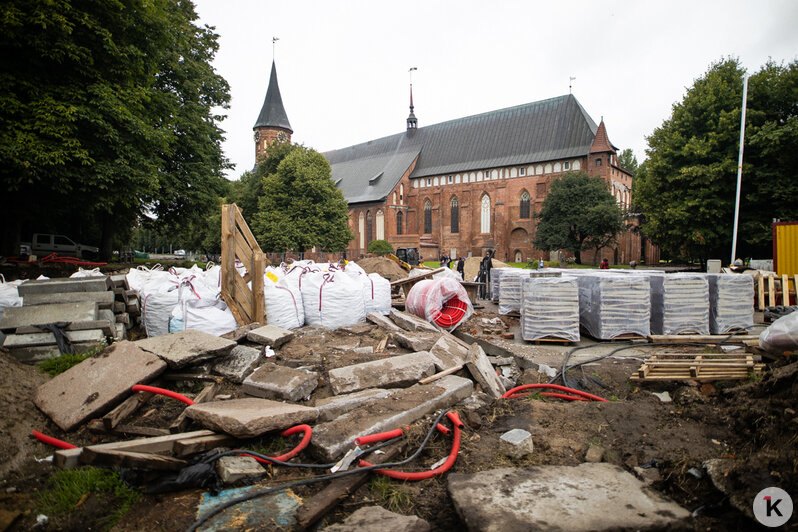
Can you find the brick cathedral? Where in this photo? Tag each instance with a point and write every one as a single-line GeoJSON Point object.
{"type": "Point", "coordinates": [466, 186]}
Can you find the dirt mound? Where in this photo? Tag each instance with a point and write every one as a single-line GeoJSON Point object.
{"type": "Point", "coordinates": [19, 383]}
{"type": "Point", "coordinates": [385, 267]}
{"type": "Point", "coordinates": [472, 267]}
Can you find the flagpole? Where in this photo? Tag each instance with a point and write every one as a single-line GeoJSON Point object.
{"type": "Point", "coordinates": [739, 172]}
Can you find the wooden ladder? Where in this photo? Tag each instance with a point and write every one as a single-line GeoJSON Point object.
{"type": "Point", "coordinates": [238, 242]}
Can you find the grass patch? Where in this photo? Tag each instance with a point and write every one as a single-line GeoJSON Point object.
{"type": "Point", "coordinates": [56, 366]}
{"type": "Point", "coordinates": [269, 446]}
{"type": "Point", "coordinates": [67, 489]}
{"type": "Point", "coordinates": [391, 494]}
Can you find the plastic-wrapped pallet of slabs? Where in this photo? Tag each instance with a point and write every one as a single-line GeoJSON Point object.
{"type": "Point", "coordinates": [511, 288]}
{"type": "Point", "coordinates": [612, 305]}
{"type": "Point", "coordinates": [550, 308]}
{"type": "Point", "coordinates": [495, 281]}
{"type": "Point", "coordinates": [731, 302]}
{"type": "Point", "coordinates": [679, 303]}
{"type": "Point", "coordinates": [442, 302]}
{"type": "Point", "coordinates": [332, 299]}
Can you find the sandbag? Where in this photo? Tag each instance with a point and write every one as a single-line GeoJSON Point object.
{"type": "Point", "coordinates": [332, 299]}
{"type": "Point", "coordinates": [781, 335]}
{"type": "Point", "coordinates": [442, 302]}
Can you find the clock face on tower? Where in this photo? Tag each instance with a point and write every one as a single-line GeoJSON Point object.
{"type": "Point", "coordinates": [257, 136]}
{"type": "Point", "coordinates": [281, 137]}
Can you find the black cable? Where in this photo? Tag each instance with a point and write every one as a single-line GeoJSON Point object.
{"type": "Point", "coordinates": [252, 495]}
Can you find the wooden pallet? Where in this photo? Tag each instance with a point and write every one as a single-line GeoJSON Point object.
{"type": "Point", "coordinates": [772, 291]}
{"type": "Point", "coordinates": [551, 340]}
{"type": "Point", "coordinates": [703, 367]}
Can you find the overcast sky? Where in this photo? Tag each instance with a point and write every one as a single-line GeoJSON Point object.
{"type": "Point", "coordinates": [343, 66]}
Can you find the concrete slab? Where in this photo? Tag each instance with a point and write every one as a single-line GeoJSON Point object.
{"type": "Point", "coordinates": [338, 405]}
{"type": "Point", "coordinates": [234, 468]}
{"type": "Point", "coordinates": [270, 335]}
{"type": "Point", "coordinates": [37, 339]}
{"type": "Point", "coordinates": [391, 372]}
{"type": "Point", "coordinates": [40, 314]}
{"type": "Point", "coordinates": [448, 353]}
{"type": "Point", "coordinates": [381, 321]}
{"type": "Point", "coordinates": [333, 438]}
{"type": "Point", "coordinates": [483, 372]}
{"type": "Point", "coordinates": [251, 417]}
{"type": "Point", "coordinates": [271, 381]}
{"type": "Point", "coordinates": [241, 361]}
{"type": "Point", "coordinates": [239, 334]}
{"type": "Point", "coordinates": [52, 286]}
{"type": "Point", "coordinates": [411, 323]}
{"type": "Point", "coordinates": [97, 384]}
{"type": "Point", "coordinates": [415, 341]}
{"type": "Point", "coordinates": [370, 518]}
{"type": "Point", "coordinates": [103, 299]}
{"type": "Point", "coordinates": [576, 498]}
{"type": "Point", "coordinates": [33, 355]}
{"type": "Point", "coordinates": [187, 347]}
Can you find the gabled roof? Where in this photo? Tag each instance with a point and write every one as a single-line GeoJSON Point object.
{"type": "Point", "coordinates": [273, 114]}
{"type": "Point", "coordinates": [539, 131]}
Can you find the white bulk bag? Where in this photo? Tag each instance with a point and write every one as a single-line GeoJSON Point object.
{"type": "Point", "coordinates": [332, 299]}
{"type": "Point", "coordinates": [9, 295]}
{"type": "Point", "coordinates": [376, 293]}
{"type": "Point", "coordinates": [284, 306]}
{"type": "Point", "coordinates": [156, 309]}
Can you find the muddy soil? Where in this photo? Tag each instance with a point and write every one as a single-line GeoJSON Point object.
{"type": "Point", "coordinates": [752, 426]}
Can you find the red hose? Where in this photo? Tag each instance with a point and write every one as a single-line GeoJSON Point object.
{"type": "Point", "coordinates": [510, 394]}
{"type": "Point", "coordinates": [293, 452]}
{"type": "Point", "coordinates": [443, 468]}
{"type": "Point", "coordinates": [55, 442]}
{"type": "Point", "coordinates": [451, 314]}
{"type": "Point", "coordinates": [162, 391]}
{"type": "Point", "coordinates": [382, 436]}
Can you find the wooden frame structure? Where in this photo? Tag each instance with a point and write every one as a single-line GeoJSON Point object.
{"type": "Point", "coordinates": [238, 242]}
{"type": "Point", "coordinates": [772, 291]}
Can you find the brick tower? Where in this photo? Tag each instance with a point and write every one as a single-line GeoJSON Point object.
{"type": "Point", "coordinates": [272, 124]}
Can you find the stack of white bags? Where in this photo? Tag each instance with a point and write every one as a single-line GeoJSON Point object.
{"type": "Point", "coordinates": [327, 294]}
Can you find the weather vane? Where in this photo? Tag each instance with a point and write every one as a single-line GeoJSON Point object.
{"type": "Point", "coordinates": [570, 79]}
{"type": "Point", "coordinates": [411, 74]}
{"type": "Point", "coordinates": [274, 40]}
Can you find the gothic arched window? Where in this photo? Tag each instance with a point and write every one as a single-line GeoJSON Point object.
{"type": "Point", "coordinates": [525, 205]}
{"type": "Point", "coordinates": [484, 219]}
{"type": "Point", "coordinates": [428, 216]}
{"type": "Point", "coordinates": [399, 223]}
{"type": "Point", "coordinates": [455, 215]}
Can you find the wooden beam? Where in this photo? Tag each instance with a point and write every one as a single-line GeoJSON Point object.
{"type": "Point", "coordinates": [760, 292]}
{"type": "Point", "coordinates": [785, 289]}
{"type": "Point", "coordinates": [695, 338]}
{"type": "Point", "coordinates": [771, 290]}
{"type": "Point", "coordinates": [442, 374]}
{"type": "Point", "coordinates": [128, 406]}
{"type": "Point", "coordinates": [131, 459]}
{"type": "Point", "coordinates": [191, 446]}
{"type": "Point", "coordinates": [206, 394]}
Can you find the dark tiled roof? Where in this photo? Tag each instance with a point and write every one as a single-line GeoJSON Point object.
{"type": "Point", "coordinates": [273, 114]}
{"type": "Point", "coordinates": [540, 131]}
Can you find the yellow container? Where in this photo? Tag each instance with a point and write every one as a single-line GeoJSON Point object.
{"type": "Point", "coordinates": [785, 248]}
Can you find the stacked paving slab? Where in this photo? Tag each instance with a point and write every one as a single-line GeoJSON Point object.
{"type": "Point", "coordinates": [731, 302]}
{"type": "Point", "coordinates": [614, 304]}
{"type": "Point", "coordinates": [550, 308]}
{"type": "Point", "coordinates": [680, 304]}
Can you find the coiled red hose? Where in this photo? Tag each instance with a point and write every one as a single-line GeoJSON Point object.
{"type": "Point", "coordinates": [443, 468]}
{"type": "Point", "coordinates": [293, 452]}
{"type": "Point", "coordinates": [512, 394]}
{"type": "Point", "coordinates": [162, 391]}
{"type": "Point", "coordinates": [55, 442]}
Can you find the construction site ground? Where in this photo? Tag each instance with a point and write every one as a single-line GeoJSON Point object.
{"type": "Point", "coordinates": [749, 425]}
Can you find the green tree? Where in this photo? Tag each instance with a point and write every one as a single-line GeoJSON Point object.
{"type": "Point", "coordinates": [628, 161]}
{"type": "Point", "coordinates": [248, 190]}
{"type": "Point", "coordinates": [300, 207]}
{"type": "Point", "coordinates": [687, 186]}
{"type": "Point", "coordinates": [105, 117]}
{"type": "Point", "coordinates": [380, 247]}
{"type": "Point", "coordinates": [579, 213]}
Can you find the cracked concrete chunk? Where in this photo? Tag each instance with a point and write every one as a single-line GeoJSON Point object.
{"type": "Point", "coordinates": [332, 407]}
{"type": "Point", "coordinates": [278, 382]}
{"type": "Point", "coordinates": [575, 498]}
{"type": "Point", "coordinates": [234, 468]}
{"type": "Point", "coordinates": [97, 384]}
{"type": "Point", "coordinates": [187, 348]}
{"type": "Point", "coordinates": [390, 372]}
{"type": "Point", "coordinates": [370, 518]}
{"type": "Point", "coordinates": [270, 335]}
{"type": "Point", "coordinates": [448, 353]}
{"type": "Point", "coordinates": [517, 443]}
{"type": "Point", "coordinates": [415, 341]}
{"type": "Point", "coordinates": [483, 372]}
{"type": "Point", "coordinates": [241, 361]}
{"type": "Point", "coordinates": [411, 323]}
{"type": "Point", "coordinates": [334, 438]}
{"type": "Point", "coordinates": [248, 418]}
{"type": "Point", "coordinates": [381, 321]}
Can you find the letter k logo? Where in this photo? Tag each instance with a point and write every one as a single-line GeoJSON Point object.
{"type": "Point", "coordinates": [772, 506]}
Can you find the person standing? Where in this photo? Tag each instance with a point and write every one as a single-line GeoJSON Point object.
{"type": "Point", "coordinates": [461, 267]}
{"type": "Point", "coordinates": [605, 264]}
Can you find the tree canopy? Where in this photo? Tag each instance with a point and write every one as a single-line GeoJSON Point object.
{"type": "Point", "coordinates": [300, 207]}
{"type": "Point", "coordinates": [579, 213]}
{"type": "Point", "coordinates": [686, 188]}
{"type": "Point", "coordinates": [628, 161]}
{"type": "Point", "coordinates": [106, 118]}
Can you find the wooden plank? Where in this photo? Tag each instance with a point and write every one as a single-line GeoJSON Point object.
{"type": "Point", "coordinates": [695, 338]}
{"type": "Point", "coordinates": [69, 458]}
{"type": "Point", "coordinates": [131, 459]}
{"type": "Point", "coordinates": [244, 296]}
{"type": "Point", "coordinates": [244, 228]}
{"type": "Point", "coordinates": [772, 290]}
{"type": "Point", "coordinates": [136, 430]}
{"type": "Point", "coordinates": [206, 394]}
{"type": "Point", "coordinates": [381, 346]}
{"type": "Point", "coordinates": [442, 374]}
{"type": "Point", "coordinates": [258, 295]}
{"type": "Point", "coordinates": [191, 446]}
{"type": "Point", "coordinates": [243, 252]}
{"type": "Point", "coordinates": [313, 509]}
{"type": "Point", "coordinates": [785, 289]}
{"type": "Point", "coordinates": [760, 291]}
{"type": "Point", "coordinates": [128, 406]}
{"type": "Point", "coordinates": [228, 258]}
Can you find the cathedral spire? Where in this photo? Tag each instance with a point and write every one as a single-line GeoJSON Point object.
{"type": "Point", "coordinates": [273, 114]}
{"type": "Point", "coordinates": [412, 123]}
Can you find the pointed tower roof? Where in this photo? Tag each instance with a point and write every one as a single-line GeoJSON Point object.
{"type": "Point", "coordinates": [602, 142]}
{"type": "Point", "coordinates": [412, 123]}
{"type": "Point", "coordinates": [273, 114]}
